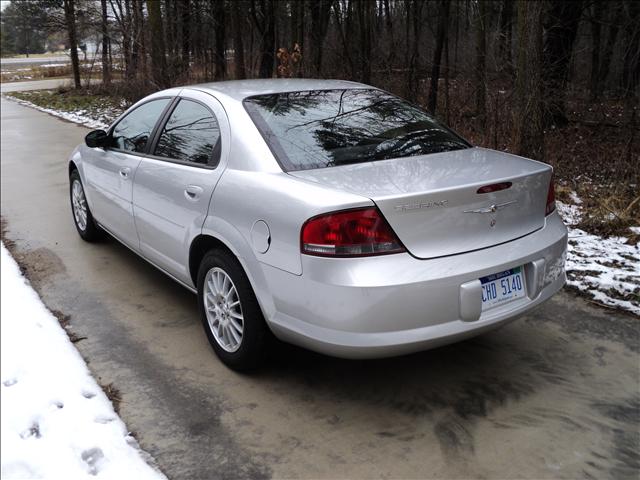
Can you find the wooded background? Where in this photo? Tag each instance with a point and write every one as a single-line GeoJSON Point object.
{"type": "Point", "coordinates": [506, 73]}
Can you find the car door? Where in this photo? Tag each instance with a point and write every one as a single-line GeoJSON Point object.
{"type": "Point", "coordinates": [174, 183]}
{"type": "Point", "coordinates": [109, 172]}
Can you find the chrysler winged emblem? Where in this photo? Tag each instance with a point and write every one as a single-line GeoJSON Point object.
{"type": "Point", "coordinates": [492, 208]}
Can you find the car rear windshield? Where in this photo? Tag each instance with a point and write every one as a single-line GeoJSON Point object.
{"type": "Point", "coordinates": [326, 128]}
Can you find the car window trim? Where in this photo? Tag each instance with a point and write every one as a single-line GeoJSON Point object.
{"type": "Point", "coordinates": [157, 133]}
{"type": "Point", "coordinates": [153, 130]}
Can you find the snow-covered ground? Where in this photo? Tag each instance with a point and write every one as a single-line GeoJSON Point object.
{"type": "Point", "coordinates": [606, 269]}
{"type": "Point", "coordinates": [56, 421]}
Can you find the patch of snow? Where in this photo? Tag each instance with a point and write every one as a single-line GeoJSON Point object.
{"type": "Point", "coordinates": [101, 119]}
{"type": "Point", "coordinates": [575, 198]}
{"type": "Point", "coordinates": [571, 214]}
{"type": "Point", "coordinates": [56, 422]}
{"type": "Point", "coordinates": [607, 269]}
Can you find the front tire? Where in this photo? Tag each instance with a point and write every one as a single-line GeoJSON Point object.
{"type": "Point", "coordinates": [230, 313]}
{"type": "Point", "coordinates": [82, 217]}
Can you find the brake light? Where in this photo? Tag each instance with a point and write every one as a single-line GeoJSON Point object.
{"type": "Point", "coordinates": [551, 198]}
{"type": "Point", "coordinates": [349, 233]}
{"type": "Point", "coordinates": [494, 187]}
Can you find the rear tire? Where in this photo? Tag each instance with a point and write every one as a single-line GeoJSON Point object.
{"type": "Point", "coordinates": [230, 313]}
{"type": "Point", "coordinates": [82, 217]}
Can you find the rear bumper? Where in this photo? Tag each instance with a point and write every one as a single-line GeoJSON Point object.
{"type": "Point", "coordinates": [396, 304]}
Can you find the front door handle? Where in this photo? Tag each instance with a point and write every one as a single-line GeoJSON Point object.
{"type": "Point", "coordinates": [192, 192]}
{"type": "Point", "coordinates": [124, 172]}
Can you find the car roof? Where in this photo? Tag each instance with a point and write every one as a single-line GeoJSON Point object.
{"type": "Point", "coordinates": [241, 89]}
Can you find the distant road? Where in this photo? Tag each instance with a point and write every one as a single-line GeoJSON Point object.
{"type": "Point", "coordinates": [35, 60]}
{"type": "Point", "coordinates": [34, 85]}
{"type": "Point", "coordinates": [40, 84]}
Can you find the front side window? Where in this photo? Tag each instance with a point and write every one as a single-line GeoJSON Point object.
{"type": "Point", "coordinates": [325, 128]}
{"type": "Point", "coordinates": [133, 131]}
{"type": "Point", "coordinates": [191, 135]}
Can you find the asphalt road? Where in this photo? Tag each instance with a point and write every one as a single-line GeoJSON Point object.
{"type": "Point", "coordinates": [38, 84]}
{"type": "Point", "coordinates": [22, 61]}
{"type": "Point", "coordinates": [553, 395]}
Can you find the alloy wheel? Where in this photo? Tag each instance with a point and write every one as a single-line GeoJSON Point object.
{"type": "Point", "coordinates": [223, 309]}
{"type": "Point", "coordinates": [79, 202]}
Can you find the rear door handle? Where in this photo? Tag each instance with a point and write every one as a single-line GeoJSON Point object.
{"type": "Point", "coordinates": [124, 172]}
{"type": "Point", "coordinates": [192, 192]}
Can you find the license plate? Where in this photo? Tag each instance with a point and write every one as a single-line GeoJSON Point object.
{"type": "Point", "coordinates": [502, 287]}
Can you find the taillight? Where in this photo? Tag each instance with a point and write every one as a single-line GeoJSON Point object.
{"type": "Point", "coordinates": [349, 233]}
{"type": "Point", "coordinates": [551, 198]}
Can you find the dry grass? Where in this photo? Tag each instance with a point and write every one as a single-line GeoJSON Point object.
{"type": "Point", "coordinates": [113, 394]}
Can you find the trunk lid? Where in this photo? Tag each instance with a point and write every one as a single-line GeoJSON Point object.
{"type": "Point", "coordinates": [432, 201]}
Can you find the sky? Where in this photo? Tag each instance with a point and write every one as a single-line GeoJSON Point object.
{"type": "Point", "coordinates": [3, 3]}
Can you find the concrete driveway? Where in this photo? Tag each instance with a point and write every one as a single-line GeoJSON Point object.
{"type": "Point", "coordinates": [553, 395]}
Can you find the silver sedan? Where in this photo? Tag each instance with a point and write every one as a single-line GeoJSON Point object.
{"type": "Point", "coordinates": [329, 214]}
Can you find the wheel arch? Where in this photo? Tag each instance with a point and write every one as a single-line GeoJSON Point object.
{"type": "Point", "coordinates": [200, 245]}
{"type": "Point", "coordinates": [72, 167]}
{"type": "Point", "coordinates": [206, 241]}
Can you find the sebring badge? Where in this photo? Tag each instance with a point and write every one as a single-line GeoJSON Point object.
{"type": "Point", "coordinates": [416, 206]}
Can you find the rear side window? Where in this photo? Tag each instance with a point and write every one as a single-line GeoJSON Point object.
{"type": "Point", "coordinates": [133, 131]}
{"type": "Point", "coordinates": [325, 128]}
{"type": "Point", "coordinates": [190, 135]}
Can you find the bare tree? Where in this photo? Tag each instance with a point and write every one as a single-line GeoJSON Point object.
{"type": "Point", "coordinates": [262, 12]}
{"type": "Point", "coordinates": [320, 11]}
{"type": "Point", "coordinates": [605, 59]}
{"type": "Point", "coordinates": [219, 26]}
{"type": "Point", "coordinates": [238, 43]}
{"type": "Point", "coordinates": [443, 24]}
{"type": "Point", "coordinates": [481, 63]}
{"type": "Point", "coordinates": [506, 29]}
{"type": "Point", "coordinates": [528, 122]}
{"type": "Point", "coordinates": [158, 57]}
{"type": "Point", "coordinates": [631, 56]}
{"type": "Point", "coordinates": [365, 12]}
{"type": "Point", "coordinates": [106, 65]}
{"type": "Point", "coordinates": [563, 18]}
{"type": "Point", "coordinates": [70, 20]}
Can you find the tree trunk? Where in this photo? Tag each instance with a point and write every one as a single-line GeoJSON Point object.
{"type": "Point", "coordinates": [564, 16]}
{"type": "Point", "coordinates": [596, 19]}
{"type": "Point", "coordinates": [297, 30]}
{"type": "Point", "coordinates": [447, 70]}
{"type": "Point", "coordinates": [414, 18]}
{"type": "Point", "coordinates": [135, 39]}
{"type": "Point", "coordinates": [481, 62]}
{"type": "Point", "coordinates": [238, 45]}
{"type": "Point", "coordinates": [106, 66]}
{"type": "Point", "coordinates": [443, 24]}
{"type": "Point", "coordinates": [267, 29]}
{"type": "Point", "coordinates": [219, 58]}
{"type": "Point", "coordinates": [528, 122]}
{"type": "Point", "coordinates": [631, 56]}
{"type": "Point", "coordinates": [70, 20]}
{"type": "Point", "coordinates": [320, 11]}
{"type": "Point", "coordinates": [607, 54]}
{"type": "Point", "coordinates": [158, 59]}
{"type": "Point", "coordinates": [506, 27]}
{"type": "Point", "coordinates": [125, 23]}
{"type": "Point", "coordinates": [365, 14]}
{"type": "Point", "coordinates": [185, 33]}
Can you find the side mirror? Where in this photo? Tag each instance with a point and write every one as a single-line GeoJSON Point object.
{"type": "Point", "coordinates": [97, 139]}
